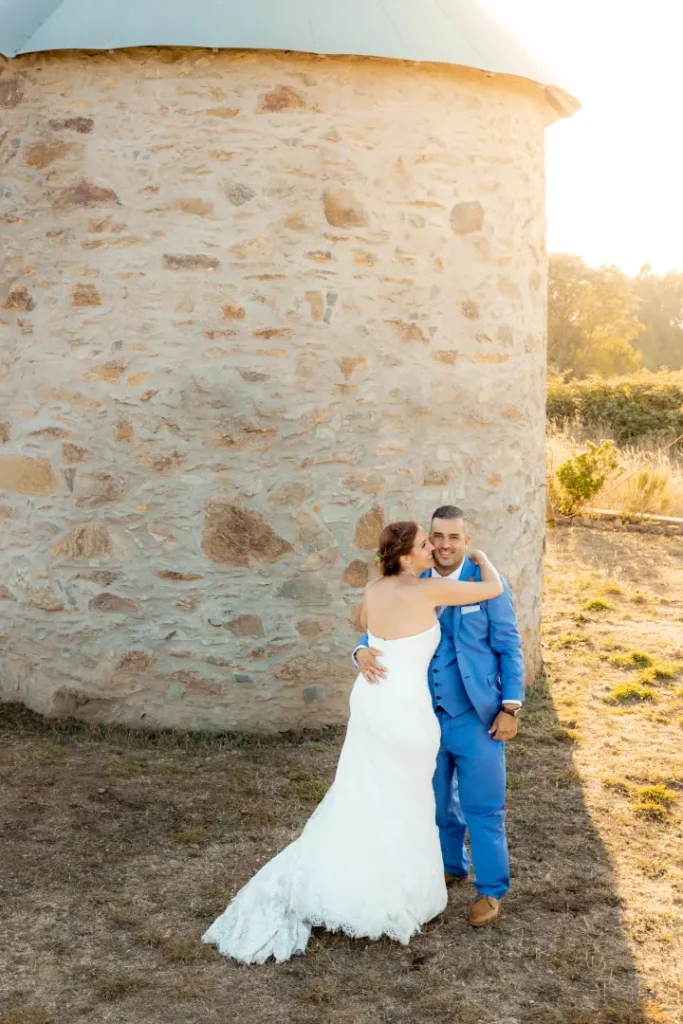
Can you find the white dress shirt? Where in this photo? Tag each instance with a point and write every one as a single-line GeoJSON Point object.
{"type": "Point", "coordinates": [455, 575]}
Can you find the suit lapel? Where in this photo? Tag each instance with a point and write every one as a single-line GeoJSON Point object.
{"type": "Point", "coordinates": [469, 570]}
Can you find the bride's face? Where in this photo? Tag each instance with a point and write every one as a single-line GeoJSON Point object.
{"type": "Point", "coordinates": [420, 558]}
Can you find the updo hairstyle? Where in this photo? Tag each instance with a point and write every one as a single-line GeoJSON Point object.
{"type": "Point", "coordinates": [397, 539]}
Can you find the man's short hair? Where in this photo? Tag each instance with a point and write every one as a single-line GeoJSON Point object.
{"type": "Point", "coordinates": [448, 512]}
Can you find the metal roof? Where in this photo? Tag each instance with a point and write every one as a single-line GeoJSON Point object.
{"type": "Point", "coordinates": [441, 31]}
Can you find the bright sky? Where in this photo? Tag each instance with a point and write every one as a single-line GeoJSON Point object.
{"type": "Point", "coordinates": [615, 169]}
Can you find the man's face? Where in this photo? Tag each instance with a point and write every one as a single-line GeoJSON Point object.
{"type": "Point", "coordinates": [450, 540]}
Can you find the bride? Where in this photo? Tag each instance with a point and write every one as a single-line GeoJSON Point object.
{"type": "Point", "coordinates": [368, 861]}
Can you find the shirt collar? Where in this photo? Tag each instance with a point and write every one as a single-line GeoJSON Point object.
{"type": "Point", "coordinates": [455, 575]}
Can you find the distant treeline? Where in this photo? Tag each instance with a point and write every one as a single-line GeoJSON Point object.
{"type": "Point", "coordinates": [602, 322]}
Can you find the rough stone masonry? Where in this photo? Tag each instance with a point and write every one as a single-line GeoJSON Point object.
{"type": "Point", "coordinates": [253, 307]}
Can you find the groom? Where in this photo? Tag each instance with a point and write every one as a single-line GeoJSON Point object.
{"type": "Point", "coordinates": [476, 680]}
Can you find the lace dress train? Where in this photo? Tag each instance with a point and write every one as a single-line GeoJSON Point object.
{"type": "Point", "coordinates": [368, 861]}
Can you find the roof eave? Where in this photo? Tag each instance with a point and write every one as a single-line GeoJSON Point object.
{"type": "Point", "coordinates": [562, 102]}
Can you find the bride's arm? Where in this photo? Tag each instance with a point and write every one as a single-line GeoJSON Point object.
{"type": "Point", "coordinates": [456, 592]}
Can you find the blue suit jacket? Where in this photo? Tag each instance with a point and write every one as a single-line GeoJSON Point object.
{"type": "Point", "coordinates": [488, 649]}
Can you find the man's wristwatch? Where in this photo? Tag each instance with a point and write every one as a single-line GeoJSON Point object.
{"type": "Point", "coordinates": [515, 712]}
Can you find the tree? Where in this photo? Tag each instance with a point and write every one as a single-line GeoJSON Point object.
{"type": "Point", "coordinates": [661, 312]}
{"type": "Point", "coordinates": [592, 320]}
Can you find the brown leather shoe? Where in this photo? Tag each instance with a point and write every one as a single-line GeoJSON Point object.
{"type": "Point", "coordinates": [456, 879]}
{"type": "Point", "coordinates": [484, 910]}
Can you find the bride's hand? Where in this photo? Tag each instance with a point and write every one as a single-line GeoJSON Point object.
{"type": "Point", "coordinates": [477, 556]}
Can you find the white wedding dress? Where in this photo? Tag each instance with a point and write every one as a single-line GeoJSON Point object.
{"type": "Point", "coordinates": [368, 862]}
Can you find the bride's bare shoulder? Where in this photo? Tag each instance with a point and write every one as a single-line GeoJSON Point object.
{"type": "Point", "coordinates": [371, 586]}
{"type": "Point", "coordinates": [364, 605]}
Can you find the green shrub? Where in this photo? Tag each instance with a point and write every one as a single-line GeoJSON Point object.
{"type": "Point", "coordinates": [597, 606]}
{"type": "Point", "coordinates": [565, 640]}
{"type": "Point", "coordinates": [658, 792]}
{"type": "Point", "coordinates": [631, 660]}
{"type": "Point", "coordinates": [653, 802]}
{"type": "Point", "coordinates": [625, 693]}
{"type": "Point", "coordinates": [579, 479]}
{"type": "Point", "coordinates": [631, 407]}
{"type": "Point", "coordinates": [658, 670]}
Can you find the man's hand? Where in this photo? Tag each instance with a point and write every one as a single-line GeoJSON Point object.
{"type": "Point", "coordinates": [504, 727]}
{"type": "Point", "coordinates": [370, 666]}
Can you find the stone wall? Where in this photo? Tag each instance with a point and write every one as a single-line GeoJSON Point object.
{"type": "Point", "coordinates": [254, 306]}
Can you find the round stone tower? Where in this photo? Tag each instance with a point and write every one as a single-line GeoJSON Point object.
{"type": "Point", "coordinates": [256, 303]}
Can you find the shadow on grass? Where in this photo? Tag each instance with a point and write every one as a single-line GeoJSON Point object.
{"type": "Point", "coordinates": [564, 907]}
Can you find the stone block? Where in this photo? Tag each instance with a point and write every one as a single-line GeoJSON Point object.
{"type": "Point", "coordinates": [290, 494]}
{"type": "Point", "coordinates": [307, 589]}
{"type": "Point", "coordinates": [467, 217]}
{"type": "Point", "coordinates": [313, 628]}
{"type": "Point", "coordinates": [282, 99]}
{"type": "Point", "coordinates": [246, 625]}
{"type": "Point", "coordinates": [41, 154]}
{"type": "Point", "coordinates": [84, 296]}
{"type": "Point", "coordinates": [368, 529]}
{"type": "Point", "coordinates": [11, 91]}
{"type": "Point", "coordinates": [188, 261]}
{"type": "Point", "coordinates": [252, 249]}
{"type": "Point", "coordinates": [113, 603]}
{"type": "Point", "coordinates": [22, 475]}
{"type": "Point", "coordinates": [343, 209]}
{"type": "Point", "coordinates": [20, 299]}
{"type": "Point", "coordinates": [356, 574]}
{"type": "Point", "coordinates": [81, 125]}
{"type": "Point", "coordinates": [86, 541]}
{"type": "Point", "coordinates": [94, 489]}
{"type": "Point", "coordinates": [83, 193]}
{"type": "Point", "coordinates": [233, 534]}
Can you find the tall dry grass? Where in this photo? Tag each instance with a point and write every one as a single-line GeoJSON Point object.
{"type": "Point", "coordinates": [648, 480]}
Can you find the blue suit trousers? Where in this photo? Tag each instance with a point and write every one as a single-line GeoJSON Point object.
{"type": "Point", "coordinates": [469, 786]}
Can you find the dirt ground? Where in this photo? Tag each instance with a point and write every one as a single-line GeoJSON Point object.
{"type": "Point", "coordinates": [118, 849]}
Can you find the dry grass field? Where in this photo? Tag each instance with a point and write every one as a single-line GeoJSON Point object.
{"type": "Point", "coordinates": [118, 849]}
{"type": "Point", "coordinates": [649, 478]}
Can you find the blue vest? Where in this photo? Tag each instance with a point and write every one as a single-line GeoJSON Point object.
{"type": "Point", "coordinates": [445, 680]}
